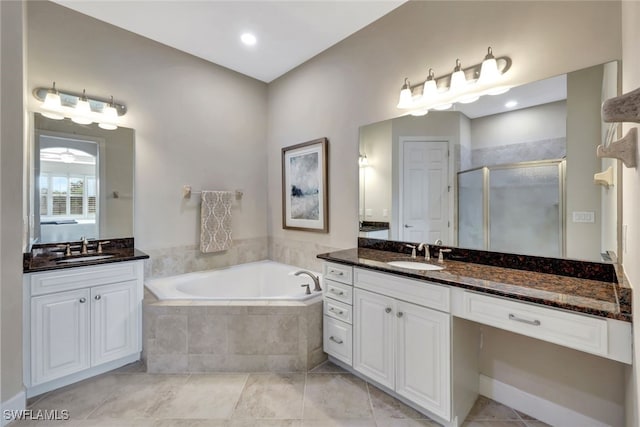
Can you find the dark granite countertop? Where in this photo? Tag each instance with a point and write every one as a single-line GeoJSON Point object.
{"type": "Point", "coordinates": [46, 257]}
{"type": "Point", "coordinates": [595, 297]}
{"type": "Point", "coordinates": [366, 226]}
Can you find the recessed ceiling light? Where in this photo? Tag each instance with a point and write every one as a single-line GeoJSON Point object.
{"type": "Point", "coordinates": [248, 39]}
{"type": "Point", "coordinates": [511, 104]}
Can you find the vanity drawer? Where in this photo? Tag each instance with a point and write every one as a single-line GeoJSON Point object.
{"type": "Point", "coordinates": [560, 327]}
{"type": "Point", "coordinates": [338, 310]}
{"type": "Point", "coordinates": [337, 339]}
{"type": "Point", "coordinates": [82, 277]}
{"type": "Point", "coordinates": [338, 272]}
{"type": "Point", "coordinates": [414, 291]}
{"type": "Point", "coordinates": [338, 291]}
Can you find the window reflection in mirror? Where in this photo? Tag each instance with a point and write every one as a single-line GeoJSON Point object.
{"type": "Point", "coordinates": [81, 182]}
{"type": "Point", "coordinates": [518, 176]}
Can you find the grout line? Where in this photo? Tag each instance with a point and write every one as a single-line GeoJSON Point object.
{"type": "Point", "coordinates": [304, 396]}
{"type": "Point", "coordinates": [373, 412]}
{"type": "Point", "coordinates": [244, 386]}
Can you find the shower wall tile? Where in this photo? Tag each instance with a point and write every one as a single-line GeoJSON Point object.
{"type": "Point", "coordinates": [548, 149]}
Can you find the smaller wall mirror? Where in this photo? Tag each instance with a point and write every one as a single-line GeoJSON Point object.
{"type": "Point", "coordinates": [81, 182]}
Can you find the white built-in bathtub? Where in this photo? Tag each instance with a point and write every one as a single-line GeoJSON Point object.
{"type": "Point", "coordinates": [255, 281]}
{"type": "Point", "coordinates": [251, 317]}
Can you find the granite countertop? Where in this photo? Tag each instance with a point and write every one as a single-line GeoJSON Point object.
{"type": "Point", "coordinates": [366, 226]}
{"type": "Point", "coordinates": [46, 257]}
{"type": "Point", "coordinates": [595, 297]}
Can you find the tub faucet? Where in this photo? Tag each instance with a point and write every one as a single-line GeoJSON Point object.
{"type": "Point", "coordinates": [316, 281]}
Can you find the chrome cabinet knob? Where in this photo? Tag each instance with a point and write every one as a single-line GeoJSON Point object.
{"type": "Point", "coordinates": [97, 297]}
{"type": "Point", "coordinates": [400, 314]}
{"type": "Point", "coordinates": [82, 300]}
{"type": "Point", "coordinates": [387, 310]}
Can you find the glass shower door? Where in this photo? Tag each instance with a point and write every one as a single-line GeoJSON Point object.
{"type": "Point", "coordinates": [525, 209]}
{"type": "Point", "coordinates": [471, 209]}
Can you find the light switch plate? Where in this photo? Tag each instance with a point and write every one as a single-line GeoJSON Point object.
{"type": "Point", "coordinates": [586, 216]}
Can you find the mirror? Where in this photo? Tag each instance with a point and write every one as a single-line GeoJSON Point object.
{"type": "Point", "coordinates": [81, 181]}
{"type": "Point", "coordinates": [509, 173]}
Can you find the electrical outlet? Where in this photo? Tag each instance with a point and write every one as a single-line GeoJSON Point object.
{"type": "Point", "coordinates": [369, 212]}
{"type": "Point", "coordinates": [587, 216]}
{"type": "Point", "coordinates": [385, 213]}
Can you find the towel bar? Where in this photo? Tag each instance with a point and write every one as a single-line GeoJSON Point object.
{"type": "Point", "coordinates": [187, 192]}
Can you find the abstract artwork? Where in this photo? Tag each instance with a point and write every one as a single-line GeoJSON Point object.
{"type": "Point", "coordinates": [304, 186]}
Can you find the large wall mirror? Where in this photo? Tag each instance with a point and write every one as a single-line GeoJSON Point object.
{"type": "Point", "coordinates": [509, 173]}
{"type": "Point", "coordinates": [81, 181]}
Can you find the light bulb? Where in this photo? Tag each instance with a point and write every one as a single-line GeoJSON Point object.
{"type": "Point", "coordinates": [420, 113]}
{"type": "Point", "coordinates": [468, 99]}
{"type": "Point", "coordinates": [489, 73]}
{"type": "Point", "coordinates": [430, 88]}
{"type": "Point", "coordinates": [82, 111]}
{"type": "Point", "coordinates": [52, 104]}
{"type": "Point", "coordinates": [406, 97]}
{"type": "Point", "coordinates": [442, 107]}
{"type": "Point", "coordinates": [458, 79]}
{"type": "Point", "coordinates": [498, 90]}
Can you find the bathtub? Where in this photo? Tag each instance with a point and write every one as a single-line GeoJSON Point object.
{"type": "Point", "coordinates": [251, 317]}
{"type": "Point", "coordinates": [255, 281]}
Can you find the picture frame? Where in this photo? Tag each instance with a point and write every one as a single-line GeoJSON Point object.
{"type": "Point", "coordinates": [305, 201]}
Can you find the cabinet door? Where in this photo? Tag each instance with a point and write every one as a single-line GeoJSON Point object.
{"type": "Point", "coordinates": [423, 357]}
{"type": "Point", "coordinates": [114, 315]}
{"type": "Point", "coordinates": [374, 336]}
{"type": "Point", "coordinates": [59, 335]}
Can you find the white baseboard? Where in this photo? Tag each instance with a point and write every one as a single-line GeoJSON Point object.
{"type": "Point", "coordinates": [544, 410]}
{"type": "Point", "coordinates": [16, 403]}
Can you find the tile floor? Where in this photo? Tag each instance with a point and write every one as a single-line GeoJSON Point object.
{"type": "Point", "coordinates": [327, 396]}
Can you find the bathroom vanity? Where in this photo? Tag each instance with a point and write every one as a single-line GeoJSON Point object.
{"type": "Point", "coordinates": [82, 314]}
{"type": "Point", "coordinates": [415, 333]}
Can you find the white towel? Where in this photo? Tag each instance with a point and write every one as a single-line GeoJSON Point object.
{"type": "Point", "coordinates": [215, 228]}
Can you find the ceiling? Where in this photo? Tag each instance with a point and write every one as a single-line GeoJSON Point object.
{"type": "Point", "coordinates": [288, 32]}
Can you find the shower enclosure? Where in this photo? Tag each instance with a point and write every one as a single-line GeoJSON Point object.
{"type": "Point", "coordinates": [515, 208]}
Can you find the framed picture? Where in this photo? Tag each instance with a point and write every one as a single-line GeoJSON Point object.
{"type": "Point", "coordinates": [304, 186]}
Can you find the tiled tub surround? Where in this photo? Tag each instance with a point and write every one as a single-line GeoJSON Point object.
{"type": "Point", "coordinates": [297, 252]}
{"type": "Point", "coordinates": [231, 336]}
{"type": "Point", "coordinates": [44, 257]}
{"type": "Point", "coordinates": [187, 259]}
{"type": "Point", "coordinates": [595, 297]}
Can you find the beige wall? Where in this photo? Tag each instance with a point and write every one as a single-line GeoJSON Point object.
{"type": "Point", "coordinates": [12, 119]}
{"type": "Point", "coordinates": [358, 80]}
{"type": "Point", "coordinates": [375, 179]}
{"type": "Point", "coordinates": [631, 197]}
{"type": "Point", "coordinates": [196, 123]}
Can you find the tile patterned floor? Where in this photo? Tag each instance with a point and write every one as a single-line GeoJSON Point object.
{"type": "Point", "coordinates": [324, 397]}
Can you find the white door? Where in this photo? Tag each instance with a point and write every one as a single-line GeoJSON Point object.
{"type": "Point", "coordinates": [373, 338]}
{"type": "Point", "coordinates": [59, 335]}
{"type": "Point", "coordinates": [114, 317]}
{"type": "Point", "coordinates": [422, 359]}
{"type": "Point", "coordinates": [424, 191]}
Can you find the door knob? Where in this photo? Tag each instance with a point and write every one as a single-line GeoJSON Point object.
{"type": "Point", "coordinates": [408, 226]}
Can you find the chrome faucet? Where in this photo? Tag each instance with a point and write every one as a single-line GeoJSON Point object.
{"type": "Point", "coordinates": [427, 254]}
{"type": "Point", "coordinates": [316, 281]}
{"type": "Point", "coordinates": [441, 255]}
{"type": "Point", "coordinates": [438, 242]}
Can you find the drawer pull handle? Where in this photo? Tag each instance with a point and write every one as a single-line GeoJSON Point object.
{"type": "Point", "coordinates": [400, 314]}
{"type": "Point", "coordinates": [83, 300]}
{"type": "Point", "coordinates": [336, 340]}
{"type": "Point", "coordinates": [336, 311]}
{"type": "Point", "coordinates": [387, 310]}
{"type": "Point", "coordinates": [336, 292]}
{"type": "Point", "coordinates": [527, 321]}
{"type": "Point", "coordinates": [336, 272]}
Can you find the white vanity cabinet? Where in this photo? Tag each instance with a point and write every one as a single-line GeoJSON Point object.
{"type": "Point", "coordinates": [80, 322]}
{"type": "Point", "coordinates": [338, 311]}
{"type": "Point", "coordinates": [400, 345]}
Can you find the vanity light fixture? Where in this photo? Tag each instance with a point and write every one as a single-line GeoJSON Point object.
{"type": "Point", "coordinates": [80, 108]}
{"type": "Point", "coordinates": [52, 104]}
{"type": "Point", "coordinates": [363, 161]}
{"type": "Point", "coordinates": [67, 157]}
{"type": "Point", "coordinates": [463, 85]}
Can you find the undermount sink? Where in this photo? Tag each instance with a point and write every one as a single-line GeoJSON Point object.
{"type": "Point", "coordinates": [84, 258]}
{"type": "Point", "coordinates": [412, 265]}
